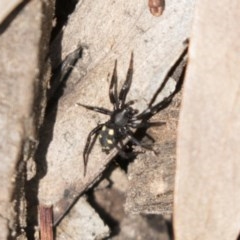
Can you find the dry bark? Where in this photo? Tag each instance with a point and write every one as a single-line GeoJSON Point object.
{"type": "Point", "coordinates": [207, 192]}
{"type": "Point", "coordinates": [23, 44]}
{"type": "Point", "coordinates": [152, 174]}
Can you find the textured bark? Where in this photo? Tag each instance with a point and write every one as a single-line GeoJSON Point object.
{"type": "Point", "coordinates": [23, 44]}
{"type": "Point", "coordinates": [207, 192]}
{"type": "Point", "coordinates": [152, 174]}
{"type": "Point", "coordinates": [7, 7]}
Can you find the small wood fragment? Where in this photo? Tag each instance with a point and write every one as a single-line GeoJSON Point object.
{"type": "Point", "coordinates": [156, 7]}
{"type": "Point", "coordinates": [45, 222]}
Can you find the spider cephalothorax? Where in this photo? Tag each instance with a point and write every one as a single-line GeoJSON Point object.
{"type": "Point", "coordinates": [123, 118]}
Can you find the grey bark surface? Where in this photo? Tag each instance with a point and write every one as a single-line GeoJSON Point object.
{"type": "Point", "coordinates": [22, 49]}
{"type": "Point", "coordinates": [152, 174]}
{"type": "Point", "coordinates": [82, 222]}
{"type": "Point", "coordinates": [207, 191]}
{"type": "Point", "coordinates": [6, 7]}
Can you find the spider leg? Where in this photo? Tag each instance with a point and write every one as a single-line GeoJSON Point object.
{"type": "Point", "coordinates": [113, 88]}
{"type": "Point", "coordinates": [135, 141]}
{"type": "Point", "coordinates": [145, 124]}
{"type": "Point", "coordinates": [151, 110]}
{"type": "Point", "coordinates": [150, 137]}
{"type": "Point", "coordinates": [126, 86]}
{"type": "Point", "coordinates": [96, 109]}
{"type": "Point", "coordinates": [122, 153]}
{"type": "Point", "coordinates": [89, 144]}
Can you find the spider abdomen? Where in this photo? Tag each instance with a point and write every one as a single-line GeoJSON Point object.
{"type": "Point", "coordinates": [107, 138]}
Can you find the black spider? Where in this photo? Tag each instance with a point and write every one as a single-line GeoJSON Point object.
{"type": "Point", "coordinates": [123, 118]}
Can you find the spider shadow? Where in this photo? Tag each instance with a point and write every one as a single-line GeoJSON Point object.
{"type": "Point", "coordinates": [107, 216]}
{"type": "Point", "coordinates": [109, 220]}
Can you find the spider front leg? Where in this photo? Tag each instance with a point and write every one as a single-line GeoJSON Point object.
{"type": "Point", "coordinates": [96, 109]}
{"type": "Point", "coordinates": [127, 84]}
{"type": "Point", "coordinates": [145, 124]}
{"type": "Point", "coordinates": [113, 96]}
{"type": "Point", "coordinates": [89, 144]}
